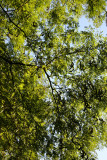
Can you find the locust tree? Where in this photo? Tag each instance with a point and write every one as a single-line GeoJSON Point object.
{"type": "Point", "coordinates": [53, 92]}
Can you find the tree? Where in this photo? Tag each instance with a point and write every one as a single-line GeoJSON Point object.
{"type": "Point", "coordinates": [53, 80]}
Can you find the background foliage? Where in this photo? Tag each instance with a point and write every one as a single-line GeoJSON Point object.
{"type": "Point", "coordinates": [53, 80]}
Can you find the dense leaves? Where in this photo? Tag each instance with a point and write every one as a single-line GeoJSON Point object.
{"type": "Point", "coordinates": [53, 92]}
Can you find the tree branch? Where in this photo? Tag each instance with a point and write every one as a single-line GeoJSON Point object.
{"type": "Point", "coordinates": [18, 63]}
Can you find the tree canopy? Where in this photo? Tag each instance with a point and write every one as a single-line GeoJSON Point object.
{"type": "Point", "coordinates": [53, 80]}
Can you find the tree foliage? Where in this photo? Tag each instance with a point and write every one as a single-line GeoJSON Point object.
{"type": "Point", "coordinates": [53, 93]}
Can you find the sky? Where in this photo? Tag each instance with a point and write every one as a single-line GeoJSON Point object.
{"type": "Point", "coordinates": [102, 153]}
{"type": "Point", "coordinates": [85, 22]}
